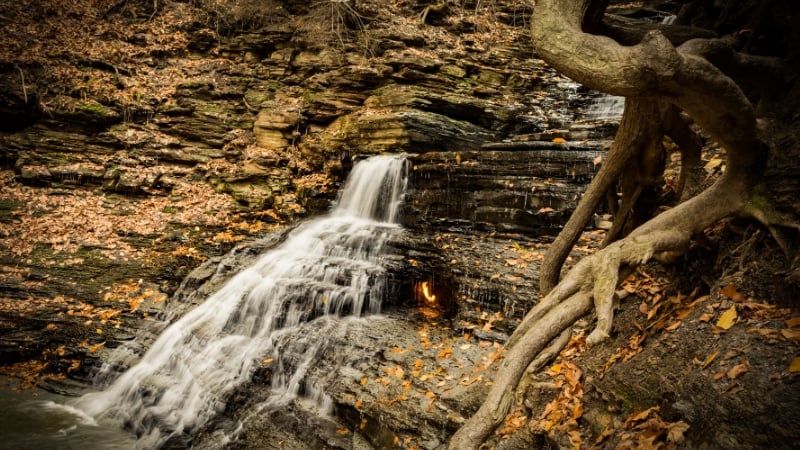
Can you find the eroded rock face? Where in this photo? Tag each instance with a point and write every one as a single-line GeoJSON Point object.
{"type": "Point", "coordinates": [262, 115]}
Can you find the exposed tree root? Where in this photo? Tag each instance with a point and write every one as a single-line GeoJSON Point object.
{"type": "Point", "coordinates": [659, 80]}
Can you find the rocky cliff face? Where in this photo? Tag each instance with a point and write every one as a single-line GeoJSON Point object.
{"type": "Point", "coordinates": [180, 130]}
{"type": "Point", "coordinates": [169, 131]}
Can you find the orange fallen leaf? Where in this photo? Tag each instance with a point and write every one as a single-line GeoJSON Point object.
{"type": "Point", "coordinates": [96, 347]}
{"type": "Point", "coordinates": [342, 431]}
{"type": "Point", "coordinates": [738, 370]}
{"type": "Point", "coordinates": [706, 317]}
{"type": "Point", "coordinates": [732, 293]}
{"type": "Point", "coordinates": [793, 322]}
{"type": "Point", "coordinates": [559, 140]}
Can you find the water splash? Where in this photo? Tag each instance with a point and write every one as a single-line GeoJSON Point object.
{"type": "Point", "coordinates": [327, 267]}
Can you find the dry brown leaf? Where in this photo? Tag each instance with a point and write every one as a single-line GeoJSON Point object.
{"type": "Point", "coordinates": [738, 370]}
{"type": "Point", "coordinates": [791, 335]}
{"type": "Point", "coordinates": [675, 431]}
{"type": "Point", "coordinates": [793, 322]}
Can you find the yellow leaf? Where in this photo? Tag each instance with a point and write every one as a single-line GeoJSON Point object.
{"type": "Point", "coordinates": [267, 361]}
{"type": "Point", "coordinates": [727, 319]}
{"type": "Point", "coordinates": [794, 366]}
{"type": "Point", "coordinates": [559, 140]}
{"type": "Point", "coordinates": [710, 358]}
{"type": "Point", "coordinates": [713, 164]}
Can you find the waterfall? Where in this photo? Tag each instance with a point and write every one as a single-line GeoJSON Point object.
{"type": "Point", "coordinates": [605, 107]}
{"type": "Point", "coordinates": [327, 267]}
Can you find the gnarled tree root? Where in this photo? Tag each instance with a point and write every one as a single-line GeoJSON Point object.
{"type": "Point", "coordinates": [592, 282]}
{"type": "Point", "coordinates": [652, 68]}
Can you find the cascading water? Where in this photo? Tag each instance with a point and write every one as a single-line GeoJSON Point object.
{"type": "Point", "coordinates": [605, 107]}
{"type": "Point", "coordinates": [327, 267]}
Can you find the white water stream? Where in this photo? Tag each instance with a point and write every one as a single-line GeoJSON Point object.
{"type": "Point", "coordinates": [330, 266]}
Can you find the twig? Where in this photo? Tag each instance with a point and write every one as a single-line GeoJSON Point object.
{"type": "Point", "coordinates": [24, 89]}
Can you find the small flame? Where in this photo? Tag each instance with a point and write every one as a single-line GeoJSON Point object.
{"type": "Point", "coordinates": [426, 292]}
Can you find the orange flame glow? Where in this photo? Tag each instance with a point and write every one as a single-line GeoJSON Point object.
{"type": "Point", "coordinates": [426, 293]}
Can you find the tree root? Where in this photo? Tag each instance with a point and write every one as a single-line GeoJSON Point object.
{"type": "Point", "coordinates": [591, 282]}
{"type": "Point", "coordinates": [652, 73]}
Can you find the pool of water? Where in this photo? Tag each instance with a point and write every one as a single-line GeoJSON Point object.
{"type": "Point", "coordinates": [37, 419]}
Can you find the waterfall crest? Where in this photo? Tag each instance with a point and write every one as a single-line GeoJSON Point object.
{"type": "Point", "coordinates": [330, 266]}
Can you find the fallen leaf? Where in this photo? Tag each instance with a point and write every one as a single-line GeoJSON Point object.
{"type": "Point", "coordinates": [706, 317]}
{"type": "Point", "coordinates": [732, 293]}
{"type": "Point", "coordinates": [342, 431]}
{"type": "Point", "coordinates": [96, 347]}
{"type": "Point", "coordinates": [738, 370]}
{"type": "Point", "coordinates": [794, 366]}
{"type": "Point", "coordinates": [559, 140]}
{"type": "Point", "coordinates": [791, 335]}
{"type": "Point", "coordinates": [675, 431]}
{"type": "Point", "coordinates": [709, 359]}
{"type": "Point", "coordinates": [793, 322]}
{"type": "Point", "coordinates": [713, 164]}
{"type": "Point", "coordinates": [727, 319]}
